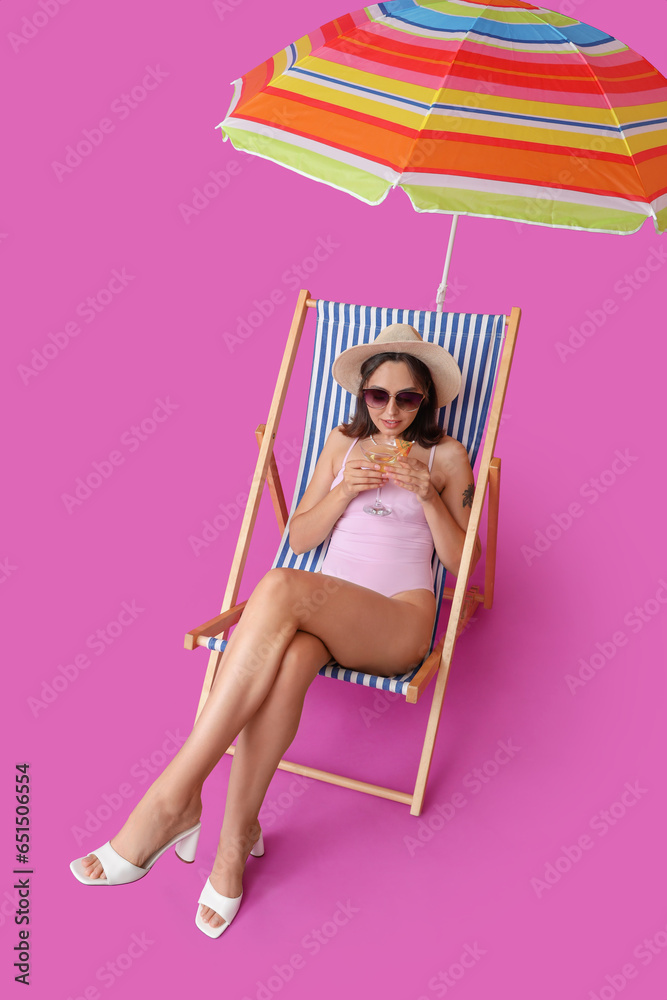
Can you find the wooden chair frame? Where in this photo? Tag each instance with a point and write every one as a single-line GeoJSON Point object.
{"type": "Point", "coordinates": [465, 600]}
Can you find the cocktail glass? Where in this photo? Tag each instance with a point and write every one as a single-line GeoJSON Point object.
{"type": "Point", "coordinates": [383, 454]}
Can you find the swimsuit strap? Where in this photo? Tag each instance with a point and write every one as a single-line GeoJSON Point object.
{"type": "Point", "coordinates": [347, 453]}
{"type": "Point", "coordinates": [430, 461]}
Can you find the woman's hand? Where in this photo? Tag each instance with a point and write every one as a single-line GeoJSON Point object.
{"type": "Point", "coordinates": [413, 475]}
{"type": "Point", "coordinates": [360, 474]}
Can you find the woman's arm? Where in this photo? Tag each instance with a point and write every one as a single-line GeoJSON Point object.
{"type": "Point", "coordinates": [321, 506]}
{"type": "Point", "coordinates": [448, 512]}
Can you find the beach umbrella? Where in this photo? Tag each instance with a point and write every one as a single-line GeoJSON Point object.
{"type": "Point", "coordinates": [498, 109]}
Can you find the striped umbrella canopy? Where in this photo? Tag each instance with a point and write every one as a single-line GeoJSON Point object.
{"type": "Point", "coordinates": [496, 108]}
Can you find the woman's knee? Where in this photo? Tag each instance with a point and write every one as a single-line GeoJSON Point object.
{"type": "Point", "coordinates": [302, 660]}
{"type": "Point", "coordinates": [298, 592]}
{"type": "Point", "coordinates": [281, 583]}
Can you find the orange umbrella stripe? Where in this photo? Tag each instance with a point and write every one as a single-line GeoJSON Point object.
{"type": "Point", "coordinates": [275, 105]}
{"type": "Point", "coordinates": [619, 182]}
{"type": "Point", "coordinates": [653, 173]}
{"type": "Point", "coordinates": [519, 163]}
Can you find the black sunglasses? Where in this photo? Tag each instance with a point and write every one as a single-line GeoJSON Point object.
{"type": "Point", "coordinates": [379, 398]}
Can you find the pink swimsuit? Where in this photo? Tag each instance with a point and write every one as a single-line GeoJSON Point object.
{"type": "Point", "coordinates": [387, 554]}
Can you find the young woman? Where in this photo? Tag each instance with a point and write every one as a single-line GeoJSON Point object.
{"type": "Point", "coordinates": [374, 609]}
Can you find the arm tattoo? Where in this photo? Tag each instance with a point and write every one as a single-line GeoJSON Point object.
{"type": "Point", "coordinates": [468, 494]}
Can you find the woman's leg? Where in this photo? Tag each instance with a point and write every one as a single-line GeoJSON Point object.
{"type": "Point", "coordinates": [360, 627]}
{"type": "Point", "coordinates": [261, 744]}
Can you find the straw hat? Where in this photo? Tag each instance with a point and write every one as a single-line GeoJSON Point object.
{"type": "Point", "coordinates": [444, 370]}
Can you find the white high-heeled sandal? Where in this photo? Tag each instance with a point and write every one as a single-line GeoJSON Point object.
{"type": "Point", "coordinates": [118, 871]}
{"type": "Point", "coordinates": [225, 906]}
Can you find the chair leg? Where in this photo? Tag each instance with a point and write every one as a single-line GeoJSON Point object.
{"type": "Point", "coordinates": [429, 739]}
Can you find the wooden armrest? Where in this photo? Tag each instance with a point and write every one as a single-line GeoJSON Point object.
{"type": "Point", "coordinates": [215, 626]}
{"type": "Point", "coordinates": [420, 681]}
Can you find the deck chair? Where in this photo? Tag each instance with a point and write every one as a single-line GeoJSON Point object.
{"type": "Point", "coordinates": [483, 347]}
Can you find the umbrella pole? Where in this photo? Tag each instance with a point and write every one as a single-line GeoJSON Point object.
{"type": "Point", "coordinates": [442, 289]}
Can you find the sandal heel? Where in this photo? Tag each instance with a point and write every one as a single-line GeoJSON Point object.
{"type": "Point", "coordinates": [258, 849]}
{"type": "Point", "coordinates": [186, 849]}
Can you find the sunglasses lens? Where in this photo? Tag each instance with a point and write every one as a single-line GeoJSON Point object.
{"type": "Point", "coordinates": [376, 397]}
{"type": "Point", "coordinates": [409, 400]}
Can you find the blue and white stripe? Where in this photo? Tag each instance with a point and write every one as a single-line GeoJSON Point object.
{"type": "Point", "coordinates": [536, 33]}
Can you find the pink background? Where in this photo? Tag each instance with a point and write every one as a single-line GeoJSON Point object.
{"type": "Point", "coordinates": [336, 861]}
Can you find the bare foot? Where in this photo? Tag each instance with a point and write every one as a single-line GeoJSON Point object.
{"type": "Point", "coordinates": [227, 875]}
{"type": "Point", "coordinates": [150, 825]}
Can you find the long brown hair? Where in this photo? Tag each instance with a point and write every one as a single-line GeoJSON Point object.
{"type": "Point", "coordinates": [424, 428]}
